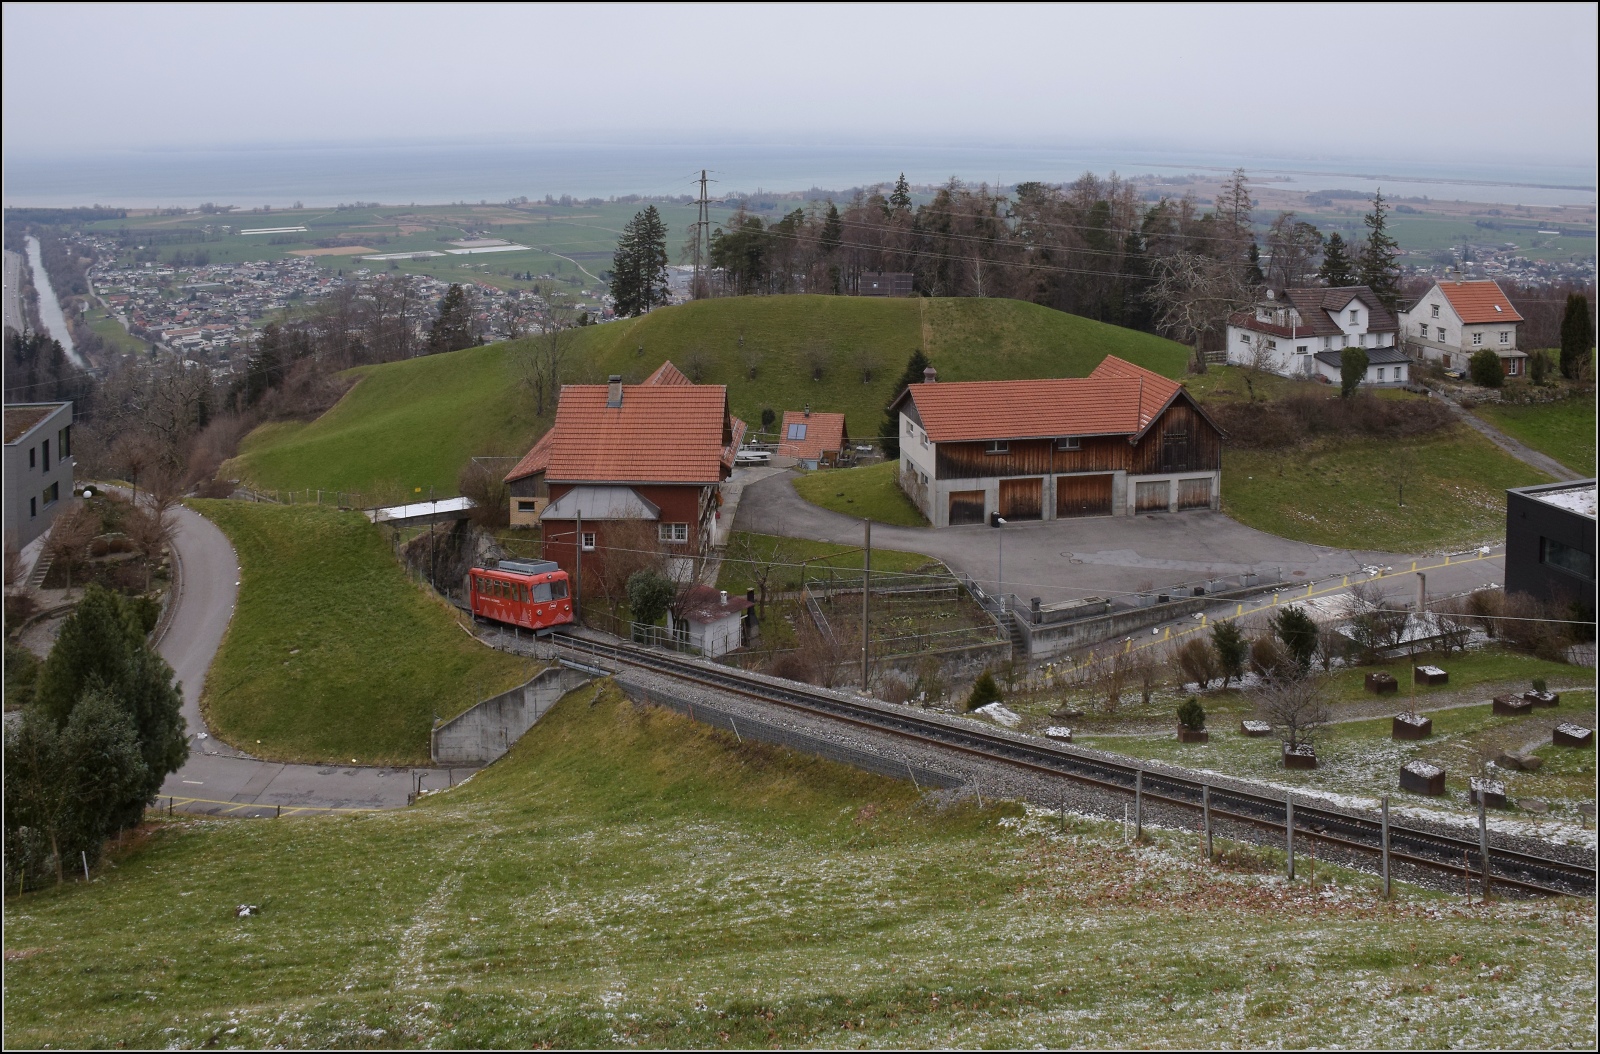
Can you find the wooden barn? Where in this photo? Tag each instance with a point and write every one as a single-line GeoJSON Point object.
{"type": "Point", "coordinates": [1118, 442]}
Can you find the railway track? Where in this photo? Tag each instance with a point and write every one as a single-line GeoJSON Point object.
{"type": "Point", "coordinates": [1353, 832]}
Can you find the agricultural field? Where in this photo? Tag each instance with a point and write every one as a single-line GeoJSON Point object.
{"type": "Point", "coordinates": [869, 492]}
{"type": "Point", "coordinates": [333, 652]}
{"type": "Point", "coordinates": [1563, 430]}
{"type": "Point", "coordinates": [415, 423]}
{"type": "Point", "coordinates": [624, 876]}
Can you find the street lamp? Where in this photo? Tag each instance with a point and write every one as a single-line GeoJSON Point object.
{"type": "Point", "coordinates": [1000, 564]}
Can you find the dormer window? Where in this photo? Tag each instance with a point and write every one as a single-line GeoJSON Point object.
{"type": "Point", "coordinates": [1355, 316]}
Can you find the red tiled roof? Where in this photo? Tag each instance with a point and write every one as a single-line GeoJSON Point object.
{"type": "Point", "coordinates": [1476, 302]}
{"type": "Point", "coordinates": [667, 373]}
{"type": "Point", "coordinates": [823, 432]}
{"type": "Point", "coordinates": [731, 450]}
{"type": "Point", "coordinates": [1117, 398]}
{"type": "Point", "coordinates": [535, 460]}
{"type": "Point", "coordinates": [662, 433]}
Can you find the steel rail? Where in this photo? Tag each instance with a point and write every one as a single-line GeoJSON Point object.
{"type": "Point", "coordinates": [1508, 867]}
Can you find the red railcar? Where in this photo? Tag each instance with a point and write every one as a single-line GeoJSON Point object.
{"type": "Point", "coordinates": [528, 593]}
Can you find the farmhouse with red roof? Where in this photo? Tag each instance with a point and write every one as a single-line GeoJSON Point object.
{"type": "Point", "coordinates": [1120, 441]}
{"type": "Point", "coordinates": [1455, 320]}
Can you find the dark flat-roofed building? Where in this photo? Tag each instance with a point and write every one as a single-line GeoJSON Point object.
{"type": "Point", "coordinates": [1550, 542]}
{"type": "Point", "coordinates": [38, 468]}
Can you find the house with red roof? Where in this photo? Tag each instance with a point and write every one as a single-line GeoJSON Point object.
{"type": "Point", "coordinates": [813, 439]}
{"type": "Point", "coordinates": [1454, 320]}
{"type": "Point", "coordinates": [655, 452]}
{"type": "Point", "coordinates": [1119, 442]}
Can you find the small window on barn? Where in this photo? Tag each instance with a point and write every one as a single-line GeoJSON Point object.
{"type": "Point", "coordinates": [1069, 443]}
{"type": "Point", "coordinates": [997, 446]}
{"type": "Point", "coordinates": [588, 541]}
{"type": "Point", "coordinates": [797, 431]}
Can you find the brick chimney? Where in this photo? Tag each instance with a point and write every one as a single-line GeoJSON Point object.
{"type": "Point", "coordinates": [614, 390]}
{"type": "Point", "coordinates": [930, 375]}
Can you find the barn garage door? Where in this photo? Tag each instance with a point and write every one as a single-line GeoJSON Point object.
{"type": "Point", "coordinates": [966, 506]}
{"type": "Point", "coordinates": [1152, 497]}
{"type": "Point", "coordinates": [1194, 493]}
{"type": "Point", "coordinates": [1083, 495]}
{"type": "Point", "coordinates": [1022, 499]}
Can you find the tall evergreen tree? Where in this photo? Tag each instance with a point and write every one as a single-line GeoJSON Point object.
{"type": "Point", "coordinates": [1379, 267]}
{"type": "Point", "coordinates": [832, 230]}
{"type": "Point", "coordinates": [453, 329]}
{"type": "Point", "coordinates": [900, 199]}
{"type": "Point", "coordinates": [1252, 268]}
{"type": "Point", "coordinates": [889, 437]}
{"type": "Point", "coordinates": [639, 266]}
{"type": "Point", "coordinates": [1336, 270]}
{"type": "Point", "coordinates": [1577, 336]}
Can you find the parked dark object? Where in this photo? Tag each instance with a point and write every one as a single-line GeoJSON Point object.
{"type": "Point", "coordinates": [1543, 698]}
{"type": "Point", "coordinates": [1191, 735]}
{"type": "Point", "coordinates": [1382, 682]}
{"type": "Point", "coordinates": [1493, 792]}
{"type": "Point", "coordinates": [1512, 706]}
{"type": "Point", "coordinates": [1300, 757]}
{"type": "Point", "coordinates": [1255, 728]}
{"type": "Point", "coordinates": [1412, 726]}
{"type": "Point", "coordinates": [1429, 675]}
{"type": "Point", "coordinates": [1567, 734]}
{"type": "Point", "coordinates": [1421, 777]}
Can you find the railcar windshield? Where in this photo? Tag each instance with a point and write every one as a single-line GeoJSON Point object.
{"type": "Point", "coordinates": [541, 592]}
{"type": "Point", "coordinates": [558, 589]}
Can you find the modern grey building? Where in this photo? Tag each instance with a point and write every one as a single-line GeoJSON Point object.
{"type": "Point", "coordinates": [1550, 539]}
{"type": "Point", "coordinates": [38, 468]}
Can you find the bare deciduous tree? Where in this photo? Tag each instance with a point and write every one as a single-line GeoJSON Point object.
{"type": "Point", "coordinates": [1194, 295]}
{"type": "Point", "coordinates": [1294, 248]}
{"type": "Point", "coordinates": [1295, 706]}
{"type": "Point", "coordinates": [540, 364]}
{"type": "Point", "coordinates": [75, 527]}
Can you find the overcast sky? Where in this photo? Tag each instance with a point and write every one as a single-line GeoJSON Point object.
{"type": "Point", "coordinates": [1458, 83]}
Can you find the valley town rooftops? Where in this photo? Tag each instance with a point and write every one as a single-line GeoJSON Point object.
{"type": "Point", "coordinates": [1117, 398]}
{"type": "Point", "coordinates": [1479, 302]}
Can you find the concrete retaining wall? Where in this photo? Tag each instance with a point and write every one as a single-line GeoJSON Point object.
{"type": "Point", "coordinates": [488, 730]}
{"type": "Point", "coordinates": [1048, 640]}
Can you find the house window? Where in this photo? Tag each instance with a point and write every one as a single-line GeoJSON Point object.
{"type": "Point", "coordinates": [1069, 443]}
{"type": "Point", "coordinates": [1422, 330]}
{"type": "Point", "coordinates": [64, 442]}
{"type": "Point", "coordinates": [1477, 338]}
{"type": "Point", "coordinates": [33, 507]}
{"type": "Point", "coordinates": [1302, 349]}
{"type": "Point", "coordinates": [45, 446]}
{"type": "Point", "coordinates": [1272, 345]}
{"type": "Point", "coordinates": [797, 430]}
{"type": "Point", "coordinates": [924, 476]}
{"type": "Point", "coordinates": [527, 506]}
{"type": "Point", "coordinates": [1327, 343]}
{"type": "Point", "coordinates": [1505, 336]}
{"type": "Point", "coordinates": [1355, 316]}
{"type": "Point", "coordinates": [52, 494]}
{"type": "Point", "coordinates": [1435, 312]}
{"type": "Point", "coordinates": [924, 440]}
{"type": "Point", "coordinates": [997, 446]}
{"type": "Point", "coordinates": [1573, 561]}
{"type": "Point", "coordinates": [910, 428]}
{"type": "Point", "coordinates": [1244, 338]}
{"type": "Point", "coordinates": [1441, 334]}
{"type": "Point", "coordinates": [1399, 373]}
{"type": "Point", "coordinates": [673, 532]}
{"type": "Point", "coordinates": [588, 541]}
{"type": "Point", "coordinates": [33, 457]}
{"type": "Point", "coordinates": [1380, 373]}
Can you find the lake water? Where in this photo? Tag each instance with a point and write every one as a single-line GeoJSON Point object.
{"type": "Point", "coordinates": [439, 173]}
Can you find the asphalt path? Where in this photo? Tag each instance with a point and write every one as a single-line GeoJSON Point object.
{"type": "Point", "coordinates": [218, 778]}
{"type": "Point", "coordinates": [1106, 555]}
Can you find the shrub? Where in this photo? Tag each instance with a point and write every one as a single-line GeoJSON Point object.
{"type": "Point", "coordinates": [650, 593]}
{"type": "Point", "coordinates": [1231, 650]}
{"type": "Point", "coordinates": [1266, 658]}
{"type": "Point", "coordinates": [984, 692]}
{"type": "Point", "coordinates": [1484, 369]}
{"type": "Point", "coordinates": [1352, 371]}
{"type": "Point", "coordinates": [1191, 714]}
{"type": "Point", "coordinates": [1538, 684]}
{"type": "Point", "coordinates": [1539, 366]}
{"type": "Point", "coordinates": [1197, 662]}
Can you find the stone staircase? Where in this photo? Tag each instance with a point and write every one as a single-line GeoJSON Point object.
{"type": "Point", "coordinates": [41, 571]}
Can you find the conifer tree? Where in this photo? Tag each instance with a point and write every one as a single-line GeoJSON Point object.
{"type": "Point", "coordinates": [900, 199]}
{"type": "Point", "coordinates": [453, 329]}
{"type": "Point", "coordinates": [1336, 270]}
{"type": "Point", "coordinates": [1379, 269]}
{"type": "Point", "coordinates": [639, 266]}
{"type": "Point", "coordinates": [832, 230]}
{"type": "Point", "coordinates": [889, 438]}
{"type": "Point", "coordinates": [1252, 268]}
{"type": "Point", "coordinates": [1577, 336]}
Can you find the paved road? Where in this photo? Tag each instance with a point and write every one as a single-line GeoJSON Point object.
{"type": "Point", "coordinates": [1523, 453]}
{"type": "Point", "coordinates": [1100, 556]}
{"type": "Point", "coordinates": [217, 778]}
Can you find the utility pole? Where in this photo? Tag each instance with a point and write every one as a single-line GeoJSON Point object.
{"type": "Point", "coordinates": [577, 577]}
{"type": "Point", "coordinates": [702, 230]}
{"type": "Point", "coordinates": [866, 596]}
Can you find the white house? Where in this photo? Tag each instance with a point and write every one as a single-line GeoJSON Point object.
{"type": "Point", "coordinates": [1386, 367]}
{"type": "Point", "coordinates": [1290, 327]}
{"type": "Point", "coordinates": [1456, 319]}
{"type": "Point", "coordinates": [709, 620]}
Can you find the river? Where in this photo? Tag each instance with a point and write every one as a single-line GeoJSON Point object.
{"type": "Point", "coordinates": [55, 323]}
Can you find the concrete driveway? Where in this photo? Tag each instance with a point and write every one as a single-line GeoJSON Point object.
{"type": "Point", "coordinates": [1100, 556]}
{"type": "Point", "coordinates": [218, 778]}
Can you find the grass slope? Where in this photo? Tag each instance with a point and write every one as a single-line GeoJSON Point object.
{"type": "Point", "coordinates": [333, 653]}
{"type": "Point", "coordinates": [871, 491]}
{"type": "Point", "coordinates": [415, 423]}
{"type": "Point", "coordinates": [1563, 430]}
{"type": "Point", "coordinates": [1347, 493]}
{"type": "Point", "coordinates": [790, 555]}
{"type": "Point", "coordinates": [626, 877]}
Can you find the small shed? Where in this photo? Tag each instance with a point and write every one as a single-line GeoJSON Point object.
{"type": "Point", "coordinates": [710, 620]}
{"type": "Point", "coordinates": [813, 439]}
